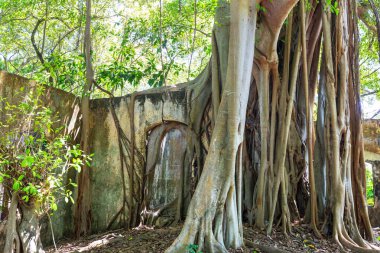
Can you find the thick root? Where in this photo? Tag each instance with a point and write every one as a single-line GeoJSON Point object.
{"type": "Point", "coordinates": [199, 231]}
{"type": "Point", "coordinates": [346, 242]}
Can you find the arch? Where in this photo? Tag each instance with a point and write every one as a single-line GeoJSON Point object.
{"type": "Point", "coordinates": [169, 163]}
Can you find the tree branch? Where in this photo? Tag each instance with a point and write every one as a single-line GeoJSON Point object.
{"type": "Point", "coordinates": [32, 38]}
{"type": "Point", "coordinates": [63, 37]}
{"type": "Point", "coordinates": [377, 18]}
{"type": "Point", "coordinates": [362, 11]}
{"type": "Point", "coordinates": [377, 113]}
{"type": "Point", "coordinates": [370, 93]}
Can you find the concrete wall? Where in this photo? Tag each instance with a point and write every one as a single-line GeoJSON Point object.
{"type": "Point", "coordinates": [151, 108]}
{"type": "Point", "coordinates": [371, 134]}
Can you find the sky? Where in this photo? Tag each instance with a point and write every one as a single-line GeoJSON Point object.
{"type": "Point", "coordinates": [370, 105]}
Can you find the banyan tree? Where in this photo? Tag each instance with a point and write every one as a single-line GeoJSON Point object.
{"type": "Point", "coordinates": [264, 157]}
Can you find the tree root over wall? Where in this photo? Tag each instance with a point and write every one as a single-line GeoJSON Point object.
{"type": "Point", "coordinates": [249, 131]}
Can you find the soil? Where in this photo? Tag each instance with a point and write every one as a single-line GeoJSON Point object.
{"type": "Point", "coordinates": [148, 240]}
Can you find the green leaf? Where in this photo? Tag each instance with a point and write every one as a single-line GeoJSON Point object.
{"type": "Point", "coordinates": [25, 198]}
{"type": "Point", "coordinates": [33, 189]}
{"type": "Point", "coordinates": [27, 162]}
{"type": "Point", "coordinates": [53, 206]}
{"type": "Point", "coordinates": [16, 185]}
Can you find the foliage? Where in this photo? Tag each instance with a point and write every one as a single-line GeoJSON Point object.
{"type": "Point", "coordinates": [35, 154]}
{"type": "Point", "coordinates": [332, 6]}
{"type": "Point", "coordinates": [192, 248]}
{"type": "Point", "coordinates": [369, 65]}
{"type": "Point", "coordinates": [369, 186]}
{"type": "Point", "coordinates": [369, 58]}
{"type": "Point", "coordinates": [129, 39]}
{"type": "Point", "coordinates": [135, 46]}
{"type": "Point", "coordinates": [155, 47]}
{"type": "Point", "coordinates": [56, 34]}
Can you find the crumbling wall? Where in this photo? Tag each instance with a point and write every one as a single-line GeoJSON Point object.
{"type": "Point", "coordinates": [151, 109]}
{"type": "Point", "coordinates": [137, 115]}
{"type": "Point", "coordinates": [371, 138]}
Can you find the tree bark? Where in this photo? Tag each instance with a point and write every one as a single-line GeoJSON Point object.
{"type": "Point", "coordinates": [29, 230]}
{"type": "Point", "coordinates": [219, 176]}
{"type": "Point", "coordinates": [83, 206]}
{"type": "Point", "coordinates": [12, 240]}
{"type": "Point", "coordinates": [336, 90]}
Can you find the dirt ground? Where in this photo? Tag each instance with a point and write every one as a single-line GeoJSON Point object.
{"type": "Point", "coordinates": [147, 240]}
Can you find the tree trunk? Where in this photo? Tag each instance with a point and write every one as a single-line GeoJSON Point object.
{"type": "Point", "coordinates": [29, 230]}
{"type": "Point", "coordinates": [337, 86]}
{"type": "Point", "coordinates": [12, 241]}
{"type": "Point", "coordinates": [219, 177]}
{"type": "Point", "coordinates": [83, 206]}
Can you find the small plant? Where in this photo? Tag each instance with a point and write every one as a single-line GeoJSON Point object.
{"type": "Point", "coordinates": [369, 187]}
{"type": "Point", "coordinates": [332, 6]}
{"type": "Point", "coordinates": [192, 248]}
{"type": "Point", "coordinates": [260, 8]}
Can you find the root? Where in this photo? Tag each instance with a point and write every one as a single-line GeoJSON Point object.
{"type": "Point", "coordinates": [12, 238]}
{"type": "Point", "coordinates": [200, 232]}
{"type": "Point", "coordinates": [186, 237]}
{"type": "Point", "coordinates": [345, 242]}
{"type": "Point", "coordinates": [129, 146]}
{"type": "Point", "coordinates": [149, 217]}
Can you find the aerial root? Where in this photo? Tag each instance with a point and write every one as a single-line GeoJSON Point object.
{"type": "Point", "coordinates": [316, 231]}
{"type": "Point", "coordinates": [207, 240]}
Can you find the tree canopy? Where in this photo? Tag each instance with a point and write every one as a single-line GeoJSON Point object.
{"type": "Point", "coordinates": [128, 39]}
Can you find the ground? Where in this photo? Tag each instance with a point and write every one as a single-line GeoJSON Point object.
{"type": "Point", "coordinates": [147, 240]}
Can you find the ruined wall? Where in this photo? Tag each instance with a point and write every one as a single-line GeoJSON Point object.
{"type": "Point", "coordinates": [138, 113]}
{"type": "Point", "coordinates": [371, 135]}
{"type": "Point", "coordinates": [151, 109]}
